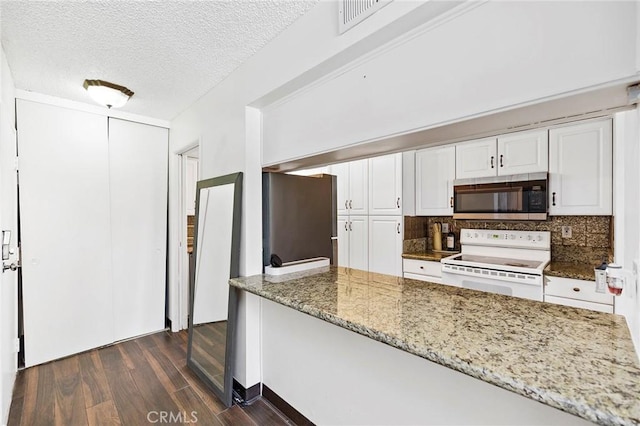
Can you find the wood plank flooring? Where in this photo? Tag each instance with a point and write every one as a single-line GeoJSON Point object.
{"type": "Point", "coordinates": [131, 383]}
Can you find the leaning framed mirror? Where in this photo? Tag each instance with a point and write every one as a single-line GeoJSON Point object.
{"type": "Point", "coordinates": [212, 306]}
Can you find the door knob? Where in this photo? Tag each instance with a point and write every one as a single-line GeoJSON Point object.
{"type": "Point", "coordinates": [13, 267]}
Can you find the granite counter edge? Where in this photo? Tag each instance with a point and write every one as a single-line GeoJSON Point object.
{"type": "Point", "coordinates": [551, 399]}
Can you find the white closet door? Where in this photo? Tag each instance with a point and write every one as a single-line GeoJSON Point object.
{"type": "Point", "coordinates": [138, 178]}
{"type": "Point", "coordinates": [65, 225]}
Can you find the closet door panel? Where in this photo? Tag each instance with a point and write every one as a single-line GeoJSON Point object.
{"type": "Point", "coordinates": [138, 181]}
{"type": "Point", "coordinates": [65, 231]}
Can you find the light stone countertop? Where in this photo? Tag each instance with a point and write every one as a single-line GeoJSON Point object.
{"type": "Point", "coordinates": [579, 361]}
{"type": "Point", "coordinates": [430, 255]}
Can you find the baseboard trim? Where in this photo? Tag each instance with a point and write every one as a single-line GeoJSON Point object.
{"type": "Point", "coordinates": [248, 395]}
{"type": "Point", "coordinates": [286, 409]}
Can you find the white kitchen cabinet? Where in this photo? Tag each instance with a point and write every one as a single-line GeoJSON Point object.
{"type": "Point", "coordinates": [343, 241]}
{"type": "Point", "coordinates": [581, 169]}
{"type": "Point", "coordinates": [476, 158]}
{"type": "Point", "coordinates": [352, 187]}
{"type": "Point", "coordinates": [523, 152]}
{"type": "Point", "coordinates": [385, 245]}
{"type": "Point", "coordinates": [358, 242]}
{"type": "Point", "coordinates": [422, 270]}
{"type": "Point", "coordinates": [435, 172]}
{"type": "Point", "coordinates": [516, 153]}
{"type": "Point", "coordinates": [353, 240]}
{"type": "Point", "coordinates": [576, 293]}
{"type": "Point", "coordinates": [385, 185]}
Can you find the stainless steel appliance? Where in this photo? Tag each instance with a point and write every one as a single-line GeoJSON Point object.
{"type": "Point", "coordinates": [503, 262]}
{"type": "Point", "coordinates": [299, 217]}
{"type": "Point", "coordinates": [516, 197]}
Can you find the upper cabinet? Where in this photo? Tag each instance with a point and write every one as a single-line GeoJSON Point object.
{"type": "Point", "coordinates": [385, 185]}
{"type": "Point", "coordinates": [517, 153]}
{"type": "Point", "coordinates": [352, 183]}
{"type": "Point", "coordinates": [524, 152]}
{"type": "Point", "coordinates": [581, 169]}
{"type": "Point", "coordinates": [435, 172]}
{"type": "Point", "coordinates": [476, 158]}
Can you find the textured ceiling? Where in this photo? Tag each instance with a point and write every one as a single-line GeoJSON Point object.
{"type": "Point", "coordinates": [169, 53]}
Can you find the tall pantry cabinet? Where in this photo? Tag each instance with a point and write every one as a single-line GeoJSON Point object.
{"type": "Point", "coordinates": [370, 236]}
{"type": "Point", "coordinates": [93, 218]}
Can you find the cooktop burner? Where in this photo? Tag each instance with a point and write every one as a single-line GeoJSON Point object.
{"type": "Point", "coordinates": [498, 261]}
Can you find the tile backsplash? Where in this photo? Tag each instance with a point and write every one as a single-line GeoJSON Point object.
{"type": "Point", "coordinates": [590, 242]}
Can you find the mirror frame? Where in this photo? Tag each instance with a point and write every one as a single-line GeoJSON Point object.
{"type": "Point", "coordinates": [225, 394]}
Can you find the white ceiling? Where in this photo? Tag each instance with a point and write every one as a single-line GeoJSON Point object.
{"type": "Point", "coordinates": [169, 53]}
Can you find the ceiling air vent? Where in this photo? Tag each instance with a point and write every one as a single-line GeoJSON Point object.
{"type": "Point", "coordinates": [352, 12]}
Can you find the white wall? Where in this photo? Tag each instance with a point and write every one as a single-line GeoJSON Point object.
{"type": "Point", "coordinates": [496, 55]}
{"type": "Point", "coordinates": [334, 376]}
{"type": "Point", "coordinates": [8, 220]}
{"type": "Point", "coordinates": [230, 133]}
{"type": "Point", "coordinates": [227, 120]}
{"type": "Point", "coordinates": [627, 215]}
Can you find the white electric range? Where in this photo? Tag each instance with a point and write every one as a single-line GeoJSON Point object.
{"type": "Point", "coordinates": [503, 262]}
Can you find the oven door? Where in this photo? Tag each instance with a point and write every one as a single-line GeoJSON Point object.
{"type": "Point", "coordinates": [514, 289]}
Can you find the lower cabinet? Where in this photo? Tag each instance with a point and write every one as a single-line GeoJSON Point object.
{"type": "Point", "coordinates": [576, 293]}
{"type": "Point", "coordinates": [385, 245]}
{"type": "Point", "coordinates": [353, 237]}
{"type": "Point", "coordinates": [423, 270]}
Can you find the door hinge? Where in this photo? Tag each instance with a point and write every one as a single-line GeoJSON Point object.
{"type": "Point", "coordinates": [16, 345]}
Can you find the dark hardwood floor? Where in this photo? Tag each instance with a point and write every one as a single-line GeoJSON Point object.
{"type": "Point", "coordinates": [141, 381]}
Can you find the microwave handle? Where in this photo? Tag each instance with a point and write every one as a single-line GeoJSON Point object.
{"type": "Point", "coordinates": [451, 202]}
{"type": "Point", "coordinates": [553, 199]}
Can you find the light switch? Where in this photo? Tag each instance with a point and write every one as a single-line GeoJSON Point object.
{"type": "Point", "coordinates": [445, 228]}
{"type": "Point", "coordinates": [566, 232]}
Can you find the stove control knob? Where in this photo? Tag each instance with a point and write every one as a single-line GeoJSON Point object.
{"type": "Point", "coordinates": [529, 237]}
{"type": "Point", "coordinates": [512, 237]}
{"type": "Point", "coordinates": [539, 237]}
{"type": "Point", "coordinates": [468, 234]}
{"type": "Point", "coordinates": [475, 235]}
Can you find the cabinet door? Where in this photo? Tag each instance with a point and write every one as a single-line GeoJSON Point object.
{"type": "Point", "coordinates": [435, 172]}
{"type": "Point", "coordinates": [341, 171]}
{"type": "Point", "coordinates": [385, 245]}
{"type": "Point", "coordinates": [385, 185]}
{"type": "Point", "coordinates": [358, 242]}
{"type": "Point", "coordinates": [358, 187]}
{"type": "Point", "coordinates": [580, 169]}
{"type": "Point", "coordinates": [524, 152]}
{"type": "Point", "coordinates": [343, 241]}
{"type": "Point", "coordinates": [476, 159]}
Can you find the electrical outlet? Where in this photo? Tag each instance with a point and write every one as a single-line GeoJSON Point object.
{"type": "Point", "coordinates": [566, 232]}
{"type": "Point", "coordinates": [445, 228]}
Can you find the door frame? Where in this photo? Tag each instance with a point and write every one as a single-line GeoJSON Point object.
{"type": "Point", "coordinates": [181, 305]}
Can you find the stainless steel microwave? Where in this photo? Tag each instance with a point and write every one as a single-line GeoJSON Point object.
{"type": "Point", "coordinates": [517, 197]}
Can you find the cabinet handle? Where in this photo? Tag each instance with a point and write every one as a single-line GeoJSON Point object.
{"type": "Point", "coordinates": [398, 202]}
{"type": "Point", "coordinates": [553, 199]}
{"type": "Point", "coordinates": [346, 227]}
{"type": "Point", "coordinates": [398, 228]}
{"type": "Point", "coordinates": [350, 205]}
{"type": "Point", "coordinates": [492, 161]}
{"type": "Point", "coordinates": [350, 227]}
{"type": "Point", "coordinates": [576, 289]}
{"type": "Point", "coordinates": [451, 202]}
{"type": "Point", "coordinates": [501, 165]}
{"type": "Point", "coordinates": [346, 204]}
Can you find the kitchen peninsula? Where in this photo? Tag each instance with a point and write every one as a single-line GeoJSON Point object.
{"type": "Point", "coordinates": [577, 361]}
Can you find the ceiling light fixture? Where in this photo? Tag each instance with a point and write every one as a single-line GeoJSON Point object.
{"type": "Point", "coordinates": [107, 94]}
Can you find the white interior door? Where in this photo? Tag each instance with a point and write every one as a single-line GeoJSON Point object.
{"type": "Point", "coordinates": [138, 183]}
{"type": "Point", "coordinates": [8, 279]}
{"type": "Point", "coordinates": [65, 224]}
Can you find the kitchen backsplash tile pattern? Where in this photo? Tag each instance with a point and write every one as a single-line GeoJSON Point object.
{"type": "Point", "coordinates": [591, 236]}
